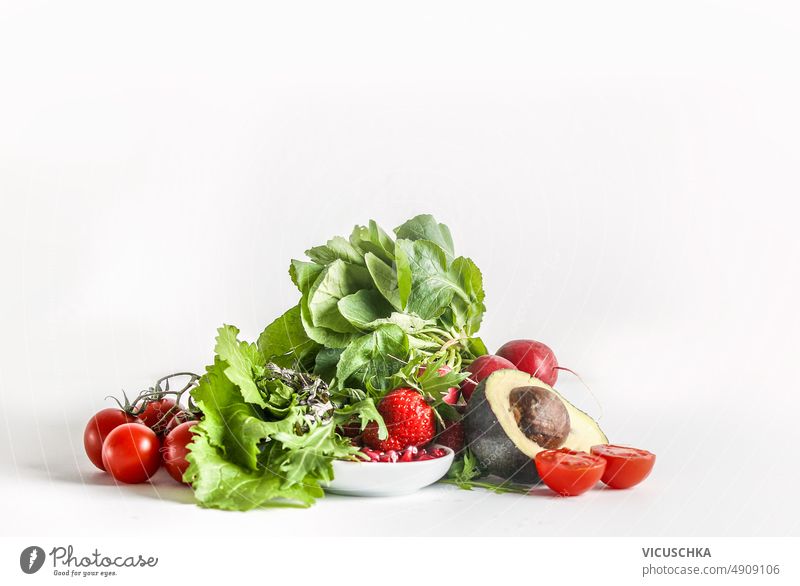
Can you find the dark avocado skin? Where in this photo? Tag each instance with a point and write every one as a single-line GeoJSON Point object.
{"type": "Point", "coordinates": [490, 444]}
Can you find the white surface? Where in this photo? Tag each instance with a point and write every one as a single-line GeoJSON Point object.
{"type": "Point", "coordinates": [378, 480]}
{"type": "Point", "coordinates": [625, 175]}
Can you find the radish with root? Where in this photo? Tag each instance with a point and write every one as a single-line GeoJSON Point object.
{"type": "Point", "coordinates": [533, 357]}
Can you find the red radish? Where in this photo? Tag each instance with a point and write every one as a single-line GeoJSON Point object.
{"type": "Point", "coordinates": [451, 397]}
{"type": "Point", "coordinates": [532, 357]}
{"type": "Point", "coordinates": [480, 368]}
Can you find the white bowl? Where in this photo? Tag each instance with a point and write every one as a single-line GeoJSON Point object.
{"type": "Point", "coordinates": [387, 478]}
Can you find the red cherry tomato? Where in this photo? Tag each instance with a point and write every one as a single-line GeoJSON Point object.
{"type": "Point", "coordinates": [625, 467]}
{"type": "Point", "coordinates": [157, 414]}
{"type": "Point", "coordinates": [131, 453]}
{"type": "Point", "coordinates": [175, 450]}
{"type": "Point", "coordinates": [98, 428]}
{"type": "Point", "coordinates": [567, 472]}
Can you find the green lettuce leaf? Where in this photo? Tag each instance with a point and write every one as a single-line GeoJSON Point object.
{"type": "Point", "coordinates": [219, 483]}
{"type": "Point", "coordinates": [242, 360]}
{"type": "Point", "coordinates": [374, 358]}
{"type": "Point", "coordinates": [231, 424]}
{"type": "Point", "coordinates": [425, 227]}
{"type": "Point", "coordinates": [363, 308]}
{"type": "Point", "coordinates": [336, 281]}
{"type": "Point", "coordinates": [385, 279]}
{"type": "Point", "coordinates": [373, 240]}
{"type": "Point", "coordinates": [286, 343]}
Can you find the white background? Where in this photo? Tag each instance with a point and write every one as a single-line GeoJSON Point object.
{"type": "Point", "coordinates": [624, 173]}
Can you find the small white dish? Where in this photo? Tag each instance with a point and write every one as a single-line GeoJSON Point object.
{"type": "Point", "coordinates": [387, 478]}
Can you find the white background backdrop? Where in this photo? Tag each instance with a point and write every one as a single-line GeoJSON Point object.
{"type": "Point", "coordinates": [625, 174]}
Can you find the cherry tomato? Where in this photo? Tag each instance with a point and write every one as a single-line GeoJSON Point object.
{"type": "Point", "coordinates": [131, 453]}
{"type": "Point", "coordinates": [175, 450]}
{"type": "Point", "coordinates": [567, 472]}
{"type": "Point", "coordinates": [181, 416]}
{"type": "Point", "coordinates": [625, 467]}
{"type": "Point", "coordinates": [157, 414]}
{"type": "Point", "coordinates": [98, 429]}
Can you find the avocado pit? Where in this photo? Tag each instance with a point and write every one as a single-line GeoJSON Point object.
{"type": "Point", "coordinates": [540, 415]}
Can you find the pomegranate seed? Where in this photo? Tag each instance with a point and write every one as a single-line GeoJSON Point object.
{"type": "Point", "coordinates": [392, 455]}
{"type": "Point", "coordinates": [438, 453]}
{"type": "Point", "coordinates": [424, 457]}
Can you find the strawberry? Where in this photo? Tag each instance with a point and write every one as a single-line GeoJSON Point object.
{"type": "Point", "coordinates": [452, 436]}
{"type": "Point", "coordinates": [408, 418]}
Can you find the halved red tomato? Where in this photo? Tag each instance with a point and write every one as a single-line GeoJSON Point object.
{"type": "Point", "coordinates": [625, 467]}
{"type": "Point", "coordinates": [567, 472]}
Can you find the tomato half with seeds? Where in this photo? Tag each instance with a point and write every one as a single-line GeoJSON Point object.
{"type": "Point", "coordinates": [625, 467]}
{"type": "Point", "coordinates": [567, 472]}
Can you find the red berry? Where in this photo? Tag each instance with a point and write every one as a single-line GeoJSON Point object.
{"type": "Point", "coordinates": [452, 436]}
{"type": "Point", "coordinates": [408, 418]}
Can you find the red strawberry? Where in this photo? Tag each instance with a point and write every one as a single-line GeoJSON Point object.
{"type": "Point", "coordinates": [452, 436]}
{"type": "Point", "coordinates": [408, 418]}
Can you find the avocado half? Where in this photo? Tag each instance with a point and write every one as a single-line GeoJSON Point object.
{"type": "Point", "coordinates": [512, 416]}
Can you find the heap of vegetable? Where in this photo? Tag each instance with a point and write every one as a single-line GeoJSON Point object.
{"type": "Point", "coordinates": [375, 312]}
{"type": "Point", "coordinates": [378, 361]}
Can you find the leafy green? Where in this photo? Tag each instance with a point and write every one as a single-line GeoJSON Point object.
{"type": "Point", "coordinates": [425, 227]}
{"type": "Point", "coordinates": [465, 472]}
{"type": "Point", "coordinates": [231, 423]}
{"type": "Point", "coordinates": [285, 341]}
{"type": "Point", "coordinates": [354, 287]}
{"type": "Point", "coordinates": [241, 358]}
{"type": "Point", "coordinates": [433, 377]}
{"type": "Point", "coordinates": [372, 240]}
{"type": "Point", "coordinates": [375, 311]}
{"type": "Point", "coordinates": [337, 248]}
{"type": "Point", "coordinates": [221, 484]}
{"type": "Point", "coordinates": [366, 411]}
{"type": "Point", "coordinates": [325, 363]}
{"type": "Point", "coordinates": [267, 435]}
{"type": "Point", "coordinates": [385, 279]}
{"type": "Point", "coordinates": [364, 308]}
{"type": "Point", "coordinates": [436, 290]}
{"type": "Point", "coordinates": [335, 282]}
{"type": "Point", "coordinates": [374, 358]}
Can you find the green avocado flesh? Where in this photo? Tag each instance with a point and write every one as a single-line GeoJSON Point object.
{"type": "Point", "coordinates": [508, 409]}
